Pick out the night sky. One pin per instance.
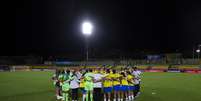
(51, 27)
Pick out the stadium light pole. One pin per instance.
(193, 53)
(87, 29)
(198, 51)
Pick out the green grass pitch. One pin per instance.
(37, 86)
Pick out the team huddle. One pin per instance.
(98, 84)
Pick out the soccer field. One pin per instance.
(37, 86)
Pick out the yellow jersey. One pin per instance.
(82, 82)
(130, 79)
(115, 78)
(124, 81)
(108, 81)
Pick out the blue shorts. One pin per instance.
(131, 87)
(117, 88)
(137, 87)
(124, 88)
(107, 89)
(83, 91)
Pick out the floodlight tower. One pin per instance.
(87, 29)
(198, 51)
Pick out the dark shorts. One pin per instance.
(98, 95)
(74, 94)
(137, 87)
(75, 91)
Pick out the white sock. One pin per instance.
(129, 97)
(105, 99)
(57, 97)
(114, 99)
(108, 99)
(132, 97)
(63, 99)
(83, 98)
(119, 99)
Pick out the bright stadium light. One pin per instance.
(87, 28)
(198, 51)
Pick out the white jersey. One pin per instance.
(74, 83)
(137, 75)
(97, 76)
(79, 75)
